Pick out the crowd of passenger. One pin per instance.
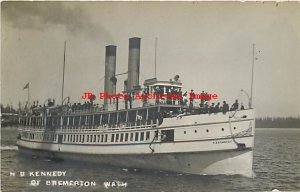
(85, 106)
(187, 100)
(205, 106)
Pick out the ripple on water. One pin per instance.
(276, 165)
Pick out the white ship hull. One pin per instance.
(201, 163)
(216, 146)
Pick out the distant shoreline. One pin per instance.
(277, 122)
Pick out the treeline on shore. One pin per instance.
(277, 122)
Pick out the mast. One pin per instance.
(253, 59)
(28, 95)
(63, 80)
(155, 57)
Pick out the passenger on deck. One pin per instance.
(202, 96)
(73, 107)
(217, 108)
(206, 107)
(225, 107)
(235, 106)
(157, 92)
(206, 96)
(201, 105)
(192, 97)
(180, 100)
(173, 93)
(185, 98)
(126, 100)
(242, 106)
(50, 103)
(212, 108)
(130, 100)
(145, 97)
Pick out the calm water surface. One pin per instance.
(276, 166)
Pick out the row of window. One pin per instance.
(97, 119)
(85, 138)
(124, 137)
(99, 138)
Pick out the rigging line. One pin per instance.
(155, 57)
(63, 78)
(97, 83)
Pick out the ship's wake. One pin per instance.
(9, 148)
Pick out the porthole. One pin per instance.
(222, 129)
(195, 131)
(184, 132)
(207, 130)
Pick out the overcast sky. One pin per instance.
(209, 45)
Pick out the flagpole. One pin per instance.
(63, 80)
(28, 94)
(62, 88)
(155, 57)
(253, 60)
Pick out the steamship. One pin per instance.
(144, 134)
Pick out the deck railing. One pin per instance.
(86, 128)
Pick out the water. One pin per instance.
(276, 166)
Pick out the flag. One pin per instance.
(26, 86)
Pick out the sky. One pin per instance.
(208, 44)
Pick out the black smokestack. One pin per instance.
(133, 63)
(110, 71)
